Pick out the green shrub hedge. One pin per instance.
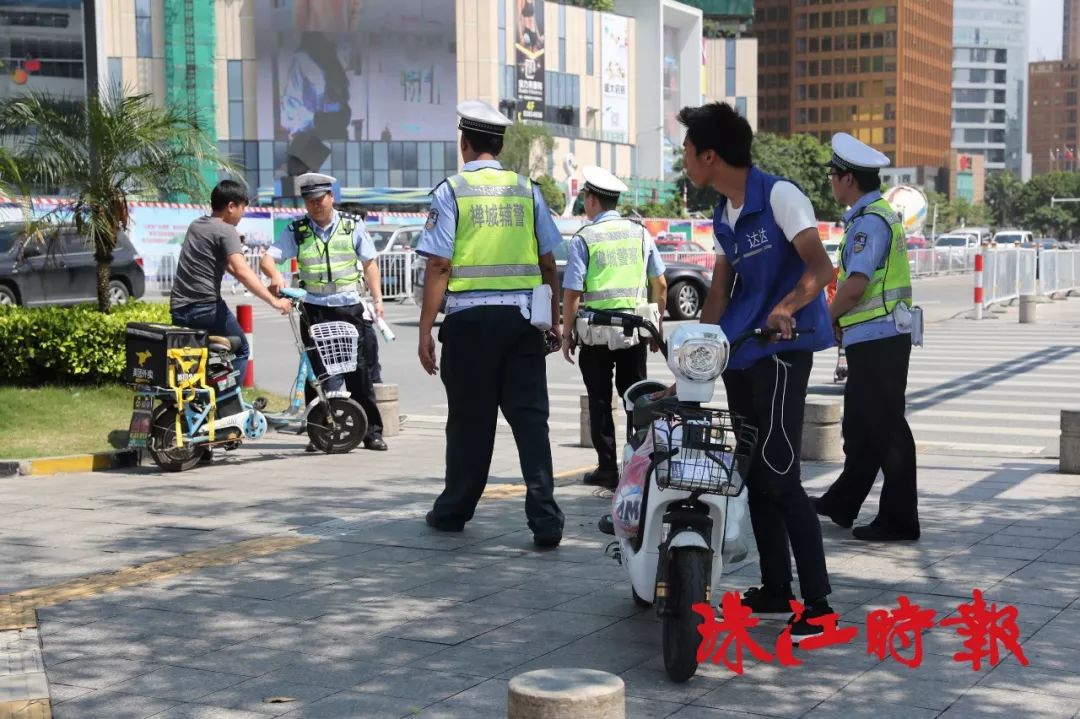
(68, 345)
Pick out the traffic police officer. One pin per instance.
(874, 319)
(611, 264)
(489, 240)
(327, 245)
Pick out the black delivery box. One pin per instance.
(147, 346)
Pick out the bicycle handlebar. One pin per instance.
(615, 318)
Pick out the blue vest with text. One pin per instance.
(767, 268)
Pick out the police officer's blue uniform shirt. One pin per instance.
(284, 248)
(437, 239)
(868, 241)
(577, 256)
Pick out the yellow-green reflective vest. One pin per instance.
(615, 278)
(891, 283)
(327, 267)
(495, 245)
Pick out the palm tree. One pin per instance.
(101, 152)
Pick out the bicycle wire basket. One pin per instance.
(703, 450)
(336, 343)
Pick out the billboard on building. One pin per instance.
(529, 59)
(615, 61)
(336, 70)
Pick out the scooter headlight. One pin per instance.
(699, 353)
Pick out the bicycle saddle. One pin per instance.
(221, 344)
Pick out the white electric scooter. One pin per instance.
(690, 510)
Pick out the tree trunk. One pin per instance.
(103, 270)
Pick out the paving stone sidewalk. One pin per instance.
(383, 617)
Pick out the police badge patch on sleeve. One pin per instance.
(859, 242)
(432, 218)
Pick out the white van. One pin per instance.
(1013, 237)
(957, 240)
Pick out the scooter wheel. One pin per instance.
(638, 600)
(162, 443)
(687, 572)
(344, 433)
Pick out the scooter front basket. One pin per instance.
(336, 343)
(702, 450)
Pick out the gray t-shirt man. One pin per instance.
(201, 265)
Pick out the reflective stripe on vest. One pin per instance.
(495, 245)
(327, 267)
(891, 283)
(615, 277)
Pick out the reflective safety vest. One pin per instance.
(615, 278)
(327, 267)
(891, 283)
(495, 246)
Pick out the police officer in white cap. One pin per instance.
(612, 264)
(489, 242)
(873, 318)
(327, 244)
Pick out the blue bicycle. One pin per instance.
(334, 422)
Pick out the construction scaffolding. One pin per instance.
(190, 48)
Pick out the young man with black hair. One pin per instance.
(211, 247)
(770, 271)
(874, 320)
(489, 242)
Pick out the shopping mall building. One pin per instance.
(366, 90)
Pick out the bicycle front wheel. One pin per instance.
(337, 430)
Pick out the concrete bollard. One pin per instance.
(822, 440)
(1027, 309)
(1069, 456)
(566, 694)
(584, 433)
(386, 399)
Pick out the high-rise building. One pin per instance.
(1070, 32)
(1053, 129)
(990, 75)
(881, 73)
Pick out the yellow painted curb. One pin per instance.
(571, 476)
(78, 463)
(26, 709)
(17, 610)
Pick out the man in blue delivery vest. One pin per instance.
(771, 270)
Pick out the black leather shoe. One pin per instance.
(311, 447)
(606, 526)
(547, 541)
(877, 533)
(606, 478)
(375, 443)
(821, 509)
(442, 526)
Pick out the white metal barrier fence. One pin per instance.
(941, 260)
(1059, 271)
(1008, 273)
(396, 269)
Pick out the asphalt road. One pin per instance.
(276, 357)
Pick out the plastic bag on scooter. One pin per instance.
(626, 503)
